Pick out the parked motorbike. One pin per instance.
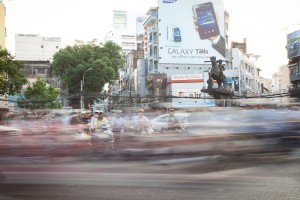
(102, 139)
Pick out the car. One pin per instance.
(160, 122)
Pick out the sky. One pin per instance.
(264, 23)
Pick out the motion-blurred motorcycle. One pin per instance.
(102, 139)
(174, 125)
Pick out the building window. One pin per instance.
(42, 46)
(57, 47)
(41, 71)
(294, 70)
(119, 19)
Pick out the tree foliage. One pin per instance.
(72, 62)
(40, 95)
(11, 76)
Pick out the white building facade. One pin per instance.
(126, 27)
(36, 52)
(243, 76)
(281, 80)
(174, 47)
(36, 47)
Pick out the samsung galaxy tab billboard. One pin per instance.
(191, 31)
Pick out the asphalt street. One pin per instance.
(140, 180)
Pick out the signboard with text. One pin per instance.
(191, 31)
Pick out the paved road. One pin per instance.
(139, 180)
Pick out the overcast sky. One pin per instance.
(264, 23)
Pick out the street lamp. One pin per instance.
(204, 84)
(81, 86)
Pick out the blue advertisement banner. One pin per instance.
(293, 42)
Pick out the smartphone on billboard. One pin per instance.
(177, 34)
(170, 33)
(206, 20)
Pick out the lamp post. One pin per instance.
(81, 87)
(204, 84)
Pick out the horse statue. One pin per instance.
(216, 73)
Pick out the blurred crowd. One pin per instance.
(130, 135)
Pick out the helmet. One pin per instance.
(140, 110)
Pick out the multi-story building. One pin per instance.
(275, 83)
(243, 74)
(266, 85)
(128, 32)
(281, 80)
(242, 46)
(174, 47)
(124, 31)
(285, 81)
(2, 25)
(293, 52)
(132, 77)
(125, 34)
(177, 56)
(36, 47)
(37, 53)
(3, 99)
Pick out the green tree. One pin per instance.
(11, 76)
(40, 95)
(72, 62)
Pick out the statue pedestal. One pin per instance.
(222, 96)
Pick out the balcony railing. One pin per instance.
(153, 57)
(150, 19)
(152, 29)
(153, 42)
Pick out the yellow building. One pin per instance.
(3, 99)
(2, 25)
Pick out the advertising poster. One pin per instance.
(189, 94)
(191, 31)
(233, 83)
(293, 41)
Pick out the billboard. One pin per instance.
(191, 31)
(293, 41)
(233, 83)
(187, 90)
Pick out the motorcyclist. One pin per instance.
(97, 120)
(118, 124)
(173, 122)
(141, 122)
(99, 129)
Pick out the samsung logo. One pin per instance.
(169, 1)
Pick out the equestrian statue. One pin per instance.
(216, 73)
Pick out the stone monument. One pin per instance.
(221, 93)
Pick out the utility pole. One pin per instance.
(81, 88)
(81, 96)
